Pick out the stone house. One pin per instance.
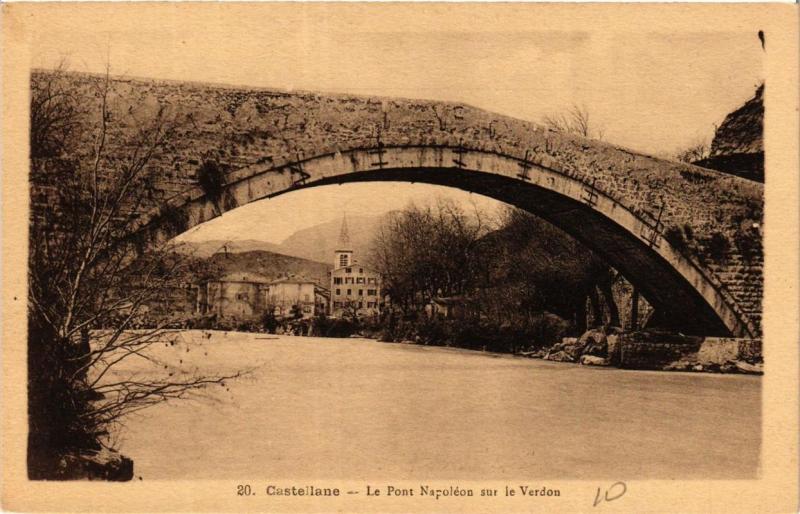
(451, 307)
(241, 296)
(247, 296)
(286, 293)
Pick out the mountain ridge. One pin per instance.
(270, 265)
(316, 243)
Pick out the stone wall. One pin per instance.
(672, 352)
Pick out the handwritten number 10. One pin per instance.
(612, 493)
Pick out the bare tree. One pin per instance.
(54, 115)
(350, 309)
(576, 120)
(91, 289)
(423, 252)
(696, 151)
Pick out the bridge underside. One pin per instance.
(658, 281)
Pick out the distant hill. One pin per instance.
(205, 249)
(316, 243)
(270, 265)
(319, 242)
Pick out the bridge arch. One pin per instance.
(627, 240)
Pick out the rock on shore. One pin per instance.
(656, 350)
(106, 465)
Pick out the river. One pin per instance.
(356, 408)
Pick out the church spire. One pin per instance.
(344, 235)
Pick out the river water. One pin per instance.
(356, 408)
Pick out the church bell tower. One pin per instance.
(343, 255)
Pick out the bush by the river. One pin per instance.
(323, 326)
(477, 334)
(541, 330)
(318, 326)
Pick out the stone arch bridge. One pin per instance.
(689, 238)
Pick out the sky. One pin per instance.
(330, 204)
(652, 90)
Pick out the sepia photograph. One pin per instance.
(324, 253)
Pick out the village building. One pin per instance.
(239, 295)
(355, 288)
(247, 296)
(452, 307)
(287, 294)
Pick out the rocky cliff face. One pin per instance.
(738, 146)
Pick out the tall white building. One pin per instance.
(355, 289)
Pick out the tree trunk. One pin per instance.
(597, 311)
(580, 315)
(613, 311)
(635, 309)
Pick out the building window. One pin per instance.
(372, 292)
(360, 292)
(338, 291)
(343, 260)
(337, 280)
(360, 280)
(360, 305)
(307, 309)
(348, 270)
(349, 280)
(337, 305)
(349, 292)
(361, 270)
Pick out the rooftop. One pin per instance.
(293, 280)
(243, 276)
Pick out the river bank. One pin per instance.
(656, 350)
